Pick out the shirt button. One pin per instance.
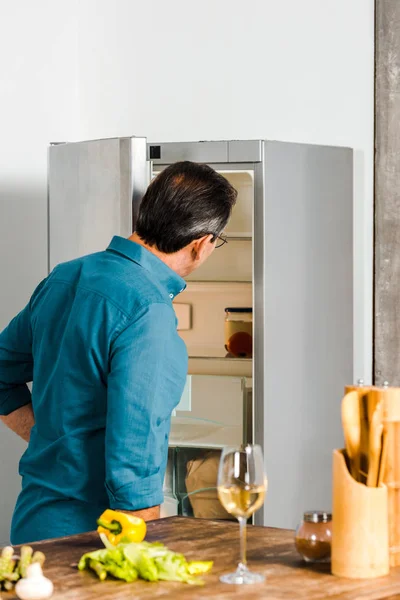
(171, 296)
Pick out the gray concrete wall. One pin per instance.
(387, 194)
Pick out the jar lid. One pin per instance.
(317, 516)
(239, 310)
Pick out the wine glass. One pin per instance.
(242, 486)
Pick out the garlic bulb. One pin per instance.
(35, 586)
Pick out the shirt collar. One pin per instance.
(171, 281)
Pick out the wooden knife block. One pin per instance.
(360, 532)
(391, 478)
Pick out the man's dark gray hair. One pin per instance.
(185, 202)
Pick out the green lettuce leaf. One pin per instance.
(149, 561)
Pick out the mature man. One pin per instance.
(99, 341)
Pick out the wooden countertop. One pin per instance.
(270, 551)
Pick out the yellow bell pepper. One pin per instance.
(197, 567)
(121, 528)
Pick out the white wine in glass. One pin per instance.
(242, 486)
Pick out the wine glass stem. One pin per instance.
(243, 561)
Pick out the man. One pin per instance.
(99, 341)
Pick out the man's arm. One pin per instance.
(20, 421)
(16, 369)
(148, 514)
(143, 389)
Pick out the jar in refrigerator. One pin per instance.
(239, 332)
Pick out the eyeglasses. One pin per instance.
(222, 241)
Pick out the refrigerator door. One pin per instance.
(304, 228)
(95, 188)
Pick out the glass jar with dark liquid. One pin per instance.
(239, 332)
(313, 536)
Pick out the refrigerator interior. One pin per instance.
(216, 409)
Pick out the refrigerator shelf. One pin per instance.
(192, 432)
(210, 351)
(202, 284)
(239, 237)
(213, 365)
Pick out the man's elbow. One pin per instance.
(20, 421)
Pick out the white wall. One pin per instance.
(37, 102)
(287, 70)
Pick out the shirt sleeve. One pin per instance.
(147, 374)
(16, 360)
(16, 363)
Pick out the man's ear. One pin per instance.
(201, 247)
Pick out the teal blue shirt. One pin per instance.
(99, 341)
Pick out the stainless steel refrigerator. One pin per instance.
(289, 258)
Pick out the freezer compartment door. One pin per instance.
(94, 190)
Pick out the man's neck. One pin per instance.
(173, 261)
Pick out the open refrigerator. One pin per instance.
(289, 258)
